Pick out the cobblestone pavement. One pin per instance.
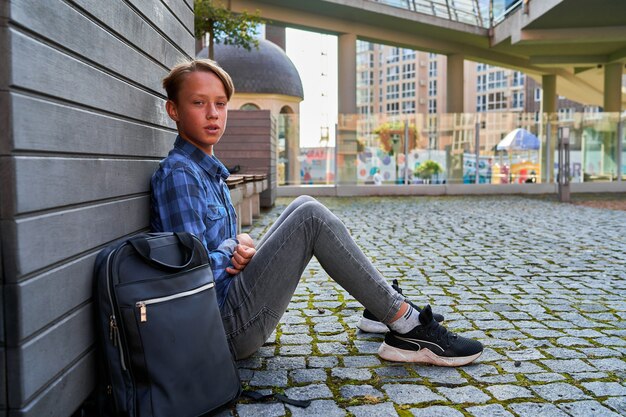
(541, 284)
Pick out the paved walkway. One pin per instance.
(541, 284)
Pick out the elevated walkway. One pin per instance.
(581, 43)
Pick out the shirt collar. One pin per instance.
(208, 163)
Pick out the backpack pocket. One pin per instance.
(176, 345)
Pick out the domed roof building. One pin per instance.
(264, 78)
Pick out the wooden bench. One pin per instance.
(245, 191)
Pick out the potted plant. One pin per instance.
(427, 169)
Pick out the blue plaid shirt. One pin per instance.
(189, 194)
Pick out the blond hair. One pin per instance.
(173, 80)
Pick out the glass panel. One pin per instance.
(513, 148)
(466, 11)
(623, 134)
(599, 146)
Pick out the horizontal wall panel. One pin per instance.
(163, 19)
(247, 131)
(44, 182)
(234, 144)
(5, 116)
(252, 114)
(81, 35)
(120, 18)
(83, 131)
(65, 395)
(33, 364)
(44, 240)
(238, 121)
(37, 301)
(183, 12)
(256, 140)
(73, 80)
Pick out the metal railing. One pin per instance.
(482, 13)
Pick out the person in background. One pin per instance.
(377, 178)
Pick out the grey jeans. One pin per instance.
(260, 294)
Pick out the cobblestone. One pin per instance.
(376, 410)
(436, 411)
(542, 285)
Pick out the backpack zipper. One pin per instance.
(114, 333)
(143, 305)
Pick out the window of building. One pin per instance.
(408, 71)
(393, 92)
(393, 73)
(432, 105)
(362, 46)
(408, 107)
(481, 103)
(394, 55)
(566, 113)
(537, 94)
(496, 79)
(518, 79)
(496, 101)
(408, 89)
(481, 82)
(249, 106)
(393, 108)
(518, 100)
(432, 88)
(408, 54)
(432, 68)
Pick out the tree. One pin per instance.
(389, 131)
(212, 17)
(427, 169)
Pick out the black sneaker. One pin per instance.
(369, 322)
(430, 343)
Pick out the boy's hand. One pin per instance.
(242, 255)
(245, 240)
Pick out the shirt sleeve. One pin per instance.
(181, 205)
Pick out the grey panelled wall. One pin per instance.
(83, 126)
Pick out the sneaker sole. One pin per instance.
(394, 354)
(371, 326)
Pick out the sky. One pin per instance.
(315, 58)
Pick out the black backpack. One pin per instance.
(162, 342)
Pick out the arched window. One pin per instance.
(249, 106)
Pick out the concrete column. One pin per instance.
(454, 84)
(549, 104)
(612, 157)
(276, 35)
(346, 151)
(613, 87)
(347, 73)
(548, 84)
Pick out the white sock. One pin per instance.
(406, 323)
